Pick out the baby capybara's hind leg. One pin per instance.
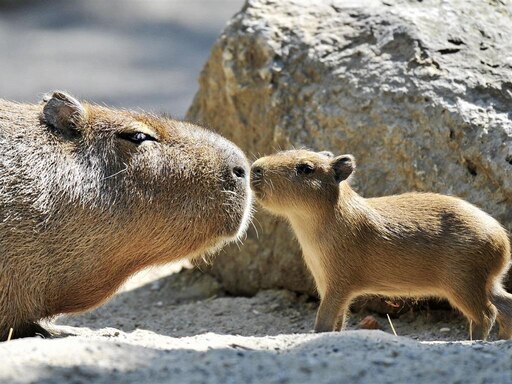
(503, 302)
(505, 323)
(483, 325)
(477, 308)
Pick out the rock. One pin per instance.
(419, 93)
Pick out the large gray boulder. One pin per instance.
(420, 92)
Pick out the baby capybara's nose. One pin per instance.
(256, 173)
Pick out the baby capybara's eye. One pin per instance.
(304, 169)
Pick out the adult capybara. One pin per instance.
(410, 245)
(89, 195)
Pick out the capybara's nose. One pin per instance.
(256, 173)
(239, 172)
(235, 171)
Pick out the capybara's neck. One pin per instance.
(335, 227)
(104, 256)
(347, 210)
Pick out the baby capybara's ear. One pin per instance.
(63, 112)
(343, 166)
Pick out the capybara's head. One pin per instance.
(299, 180)
(166, 187)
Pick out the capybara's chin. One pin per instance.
(90, 195)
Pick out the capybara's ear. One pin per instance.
(343, 166)
(326, 153)
(63, 112)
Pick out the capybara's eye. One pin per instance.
(136, 137)
(304, 169)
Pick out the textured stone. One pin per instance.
(419, 92)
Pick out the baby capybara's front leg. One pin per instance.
(331, 312)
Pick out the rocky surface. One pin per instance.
(419, 92)
(183, 329)
(353, 356)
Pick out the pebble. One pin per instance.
(369, 322)
(156, 285)
(444, 330)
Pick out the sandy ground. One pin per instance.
(182, 328)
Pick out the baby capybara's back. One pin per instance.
(436, 237)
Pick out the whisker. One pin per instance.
(272, 185)
(230, 192)
(115, 174)
(255, 229)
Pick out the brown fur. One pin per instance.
(82, 207)
(410, 245)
